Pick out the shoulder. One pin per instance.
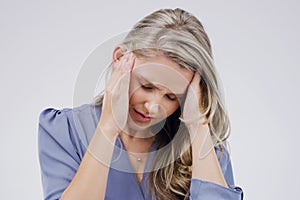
(50, 114)
(61, 133)
(68, 127)
(85, 114)
(53, 118)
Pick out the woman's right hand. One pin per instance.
(116, 97)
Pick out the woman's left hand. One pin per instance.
(196, 121)
(205, 162)
(191, 115)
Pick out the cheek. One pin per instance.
(171, 107)
(134, 93)
(139, 96)
(136, 96)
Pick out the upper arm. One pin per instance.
(59, 159)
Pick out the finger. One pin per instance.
(130, 61)
(195, 84)
(123, 71)
(123, 75)
(194, 88)
(121, 68)
(125, 63)
(120, 94)
(191, 111)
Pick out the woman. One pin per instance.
(157, 132)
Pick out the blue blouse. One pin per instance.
(63, 137)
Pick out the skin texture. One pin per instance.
(154, 95)
(153, 92)
(205, 162)
(168, 82)
(90, 180)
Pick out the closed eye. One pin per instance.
(147, 87)
(171, 97)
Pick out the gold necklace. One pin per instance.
(138, 158)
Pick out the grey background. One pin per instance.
(43, 45)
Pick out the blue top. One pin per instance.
(63, 136)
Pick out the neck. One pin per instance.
(136, 143)
(138, 137)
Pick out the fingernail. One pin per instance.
(131, 55)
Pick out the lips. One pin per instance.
(141, 116)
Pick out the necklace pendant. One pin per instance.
(139, 159)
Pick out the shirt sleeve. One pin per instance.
(59, 159)
(200, 189)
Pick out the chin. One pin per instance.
(154, 126)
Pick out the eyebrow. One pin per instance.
(149, 82)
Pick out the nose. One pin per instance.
(152, 107)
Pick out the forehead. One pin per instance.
(164, 72)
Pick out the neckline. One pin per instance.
(142, 185)
(117, 155)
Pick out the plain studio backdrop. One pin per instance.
(43, 45)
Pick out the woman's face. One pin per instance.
(157, 87)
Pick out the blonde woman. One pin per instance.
(159, 129)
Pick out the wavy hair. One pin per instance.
(180, 36)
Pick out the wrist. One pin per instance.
(202, 145)
(192, 122)
(109, 132)
(198, 133)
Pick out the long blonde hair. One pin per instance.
(181, 37)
